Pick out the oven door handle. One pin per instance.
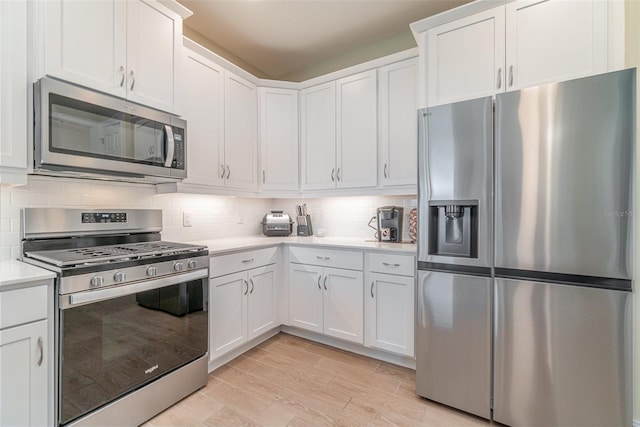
(88, 297)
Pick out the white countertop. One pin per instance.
(14, 273)
(218, 246)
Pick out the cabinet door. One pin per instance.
(203, 104)
(227, 313)
(23, 375)
(343, 304)
(13, 91)
(154, 43)
(305, 297)
(318, 137)
(398, 104)
(389, 311)
(86, 43)
(554, 40)
(357, 148)
(278, 139)
(465, 58)
(241, 132)
(262, 300)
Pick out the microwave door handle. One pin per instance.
(170, 146)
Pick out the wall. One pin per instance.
(632, 52)
(212, 216)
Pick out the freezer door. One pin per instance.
(453, 341)
(564, 168)
(562, 355)
(455, 163)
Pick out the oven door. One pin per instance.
(116, 340)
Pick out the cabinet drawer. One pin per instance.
(232, 263)
(327, 258)
(402, 265)
(22, 306)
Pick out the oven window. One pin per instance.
(112, 347)
(77, 127)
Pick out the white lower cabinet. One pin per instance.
(23, 375)
(390, 303)
(242, 305)
(327, 300)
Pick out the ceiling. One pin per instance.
(283, 37)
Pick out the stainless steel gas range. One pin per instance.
(131, 332)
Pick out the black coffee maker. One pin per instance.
(390, 223)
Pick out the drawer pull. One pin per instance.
(386, 264)
(41, 350)
(372, 290)
(247, 261)
(326, 258)
(325, 282)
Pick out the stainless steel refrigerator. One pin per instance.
(525, 315)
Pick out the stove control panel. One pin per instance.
(103, 217)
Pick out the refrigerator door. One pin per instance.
(564, 156)
(453, 341)
(562, 355)
(455, 162)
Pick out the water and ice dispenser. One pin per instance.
(453, 228)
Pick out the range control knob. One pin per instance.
(152, 271)
(178, 266)
(119, 277)
(192, 263)
(96, 281)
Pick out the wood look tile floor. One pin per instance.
(290, 381)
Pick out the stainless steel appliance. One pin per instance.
(453, 339)
(389, 220)
(131, 323)
(82, 132)
(277, 223)
(560, 299)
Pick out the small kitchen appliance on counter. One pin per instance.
(277, 223)
(389, 223)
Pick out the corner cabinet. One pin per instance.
(128, 49)
(242, 299)
(25, 356)
(278, 139)
(13, 92)
(524, 43)
(326, 292)
(339, 133)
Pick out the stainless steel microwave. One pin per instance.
(82, 132)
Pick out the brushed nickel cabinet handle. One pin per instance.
(122, 74)
(252, 285)
(263, 177)
(372, 290)
(247, 287)
(319, 277)
(386, 175)
(338, 175)
(222, 174)
(325, 282)
(390, 265)
(247, 261)
(511, 76)
(499, 84)
(133, 79)
(41, 350)
(332, 173)
(228, 171)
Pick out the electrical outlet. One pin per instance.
(186, 219)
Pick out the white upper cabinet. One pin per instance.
(13, 92)
(465, 58)
(398, 123)
(241, 132)
(278, 139)
(128, 49)
(521, 44)
(356, 124)
(203, 110)
(318, 137)
(554, 40)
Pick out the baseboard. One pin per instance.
(395, 359)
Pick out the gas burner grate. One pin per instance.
(112, 253)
